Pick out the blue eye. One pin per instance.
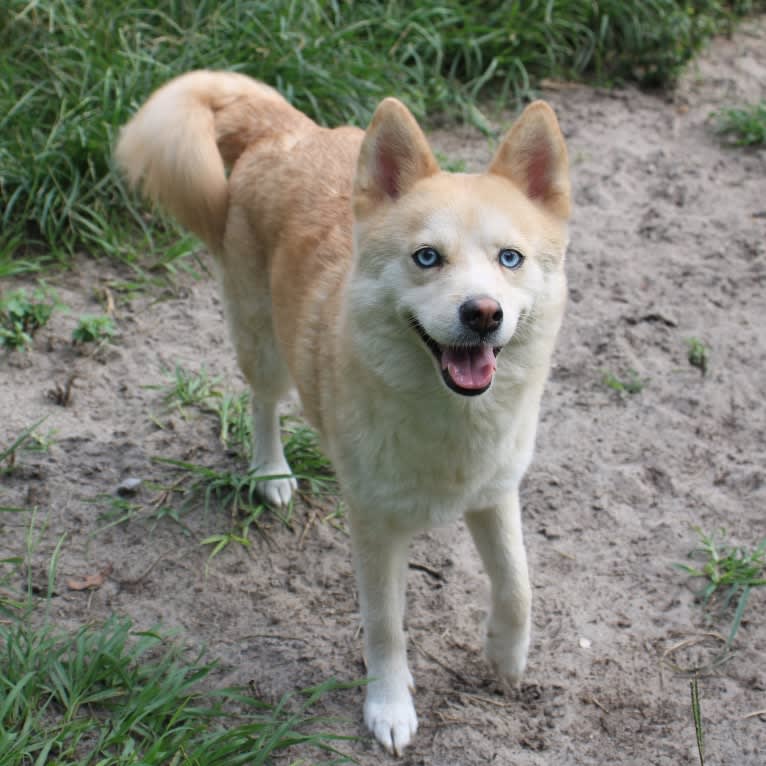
(510, 259)
(427, 257)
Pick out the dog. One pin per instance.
(415, 311)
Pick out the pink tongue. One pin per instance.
(470, 367)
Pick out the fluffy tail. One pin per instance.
(178, 146)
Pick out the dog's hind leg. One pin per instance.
(498, 537)
(247, 299)
(268, 455)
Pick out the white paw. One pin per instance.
(275, 492)
(507, 652)
(390, 715)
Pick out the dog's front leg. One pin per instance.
(380, 560)
(498, 537)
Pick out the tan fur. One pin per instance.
(316, 234)
(213, 118)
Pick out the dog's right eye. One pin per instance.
(427, 257)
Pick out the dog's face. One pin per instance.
(454, 268)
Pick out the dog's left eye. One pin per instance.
(511, 259)
(427, 257)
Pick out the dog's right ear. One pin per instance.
(394, 155)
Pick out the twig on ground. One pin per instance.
(590, 699)
(459, 676)
(432, 572)
(486, 700)
(136, 580)
(718, 659)
(306, 527)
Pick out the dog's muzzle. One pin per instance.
(467, 369)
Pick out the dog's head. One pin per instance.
(454, 268)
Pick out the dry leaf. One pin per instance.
(90, 582)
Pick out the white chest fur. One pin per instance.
(424, 462)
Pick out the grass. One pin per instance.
(199, 391)
(70, 76)
(231, 490)
(305, 456)
(109, 694)
(235, 422)
(631, 384)
(113, 695)
(729, 572)
(234, 491)
(39, 442)
(11, 604)
(8, 454)
(448, 164)
(21, 316)
(698, 354)
(744, 126)
(697, 718)
(190, 389)
(94, 329)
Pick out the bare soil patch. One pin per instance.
(668, 243)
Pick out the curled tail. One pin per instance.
(177, 147)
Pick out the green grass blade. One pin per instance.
(697, 716)
(741, 604)
(24, 436)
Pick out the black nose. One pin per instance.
(482, 315)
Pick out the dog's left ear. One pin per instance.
(394, 155)
(534, 156)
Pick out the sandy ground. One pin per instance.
(668, 243)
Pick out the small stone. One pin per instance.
(550, 533)
(129, 486)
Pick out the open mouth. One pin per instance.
(467, 370)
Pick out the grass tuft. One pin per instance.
(235, 421)
(111, 694)
(21, 316)
(8, 454)
(235, 492)
(305, 456)
(190, 389)
(698, 354)
(11, 602)
(730, 572)
(632, 384)
(200, 391)
(745, 126)
(94, 329)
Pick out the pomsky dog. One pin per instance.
(414, 310)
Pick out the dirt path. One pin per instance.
(668, 243)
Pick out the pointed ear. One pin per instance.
(534, 157)
(394, 155)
